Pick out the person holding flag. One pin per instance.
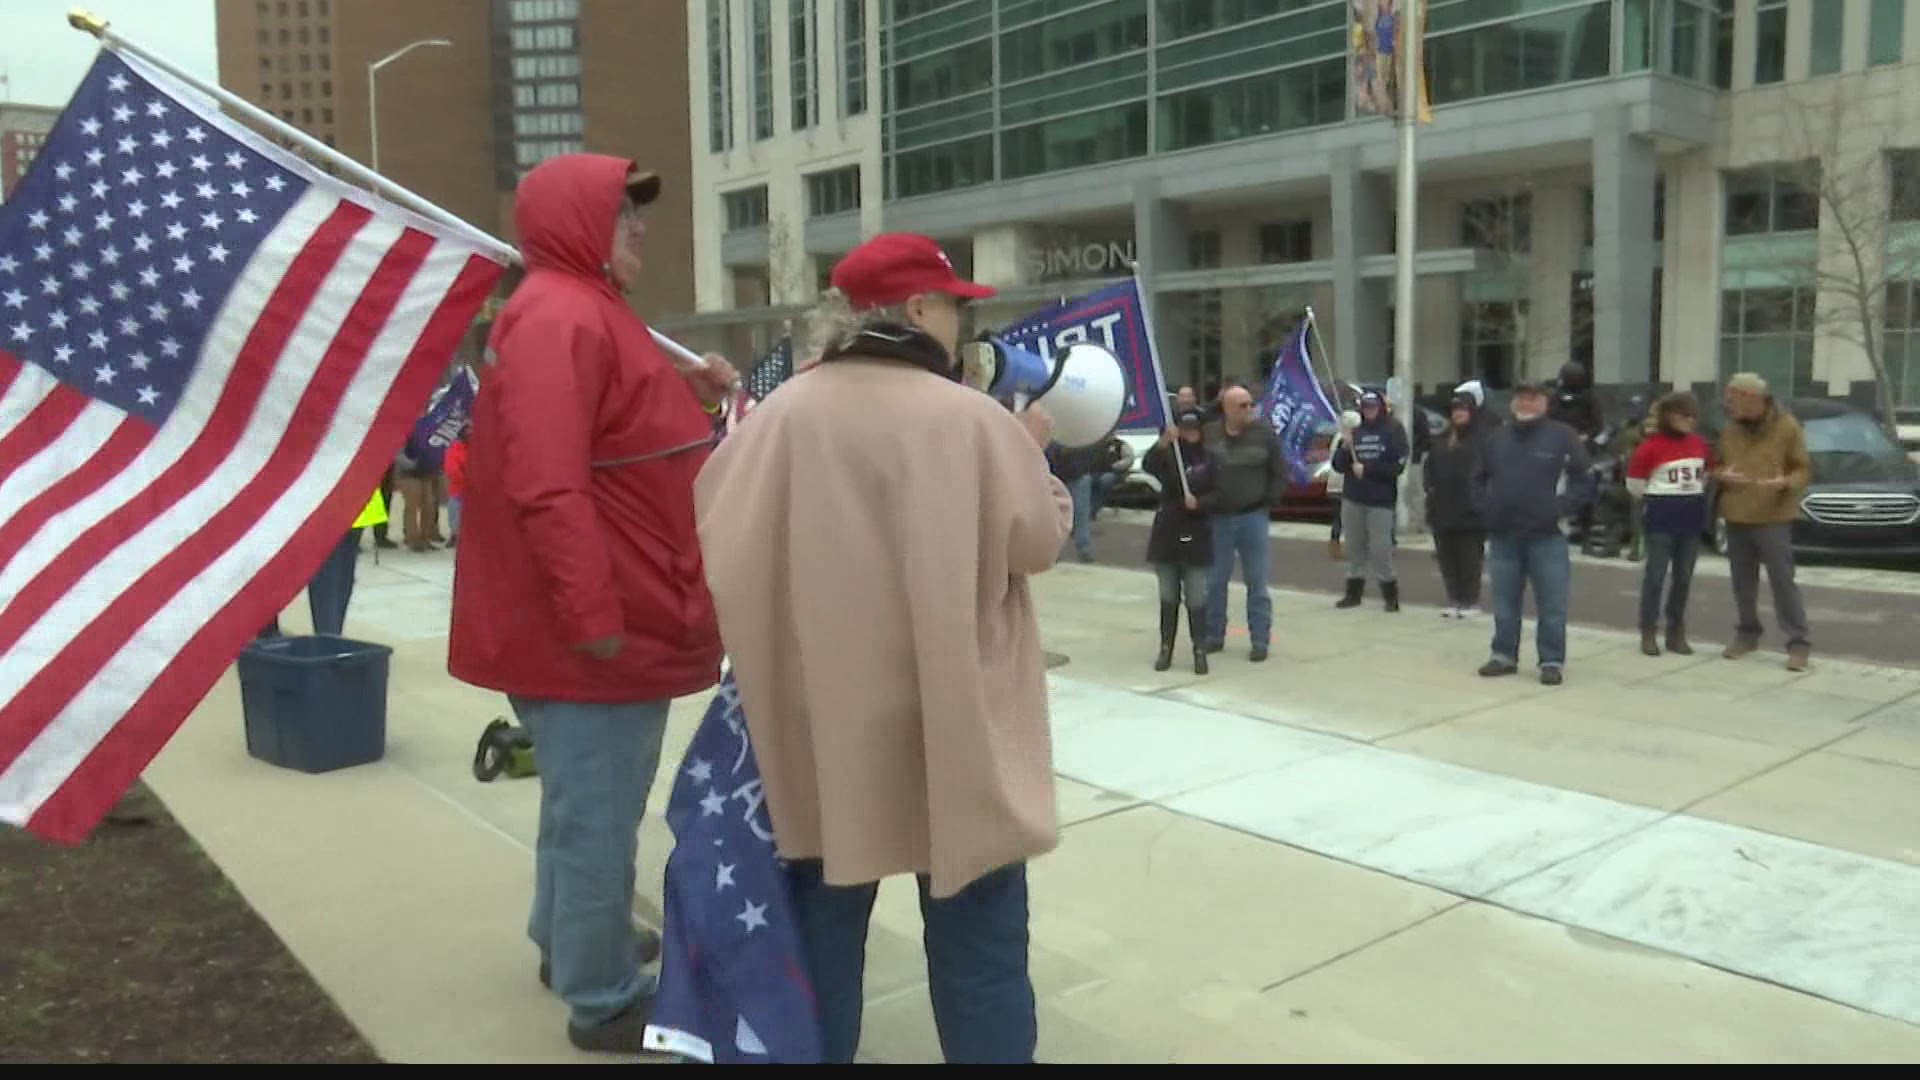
(869, 534)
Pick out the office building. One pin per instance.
(1664, 189)
(515, 82)
(23, 128)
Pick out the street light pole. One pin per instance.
(373, 95)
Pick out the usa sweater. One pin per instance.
(1670, 472)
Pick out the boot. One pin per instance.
(1677, 640)
(1649, 642)
(1391, 590)
(1355, 588)
(1169, 623)
(1196, 618)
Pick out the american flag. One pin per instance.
(768, 373)
(209, 352)
(733, 981)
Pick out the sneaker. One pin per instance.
(624, 1034)
(1450, 613)
(1258, 655)
(1797, 658)
(1739, 649)
(1469, 612)
(1550, 676)
(1497, 667)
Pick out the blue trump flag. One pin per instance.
(733, 980)
(1294, 403)
(1115, 318)
(446, 414)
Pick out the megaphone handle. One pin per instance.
(1020, 401)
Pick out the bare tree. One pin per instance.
(1836, 142)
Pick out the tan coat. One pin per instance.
(1776, 447)
(868, 533)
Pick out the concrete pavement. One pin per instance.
(1357, 851)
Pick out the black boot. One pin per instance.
(1169, 624)
(1391, 590)
(1355, 588)
(1197, 618)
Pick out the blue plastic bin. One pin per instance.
(315, 703)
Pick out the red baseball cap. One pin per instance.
(894, 266)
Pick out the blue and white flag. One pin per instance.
(1116, 319)
(1294, 402)
(733, 981)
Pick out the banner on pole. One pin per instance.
(1376, 27)
(1114, 318)
(1294, 402)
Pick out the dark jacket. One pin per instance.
(1517, 485)
(1250, 469)
(1381, 446)
(1578, 409)
(1072, 464)
(1448, 478)
(1180, 535)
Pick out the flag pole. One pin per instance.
(1408, 27)
(1159, 376)
(379, 185)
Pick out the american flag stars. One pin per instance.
(143, 217)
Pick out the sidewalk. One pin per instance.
(1358, 851)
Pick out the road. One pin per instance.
(1860, 624)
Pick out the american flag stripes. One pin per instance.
(209, 353)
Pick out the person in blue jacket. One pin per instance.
(1371, 459)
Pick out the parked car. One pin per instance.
(1864, 499)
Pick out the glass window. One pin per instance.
(1684, 40)
(834, 192)
(745, 209)
(1286, 242)
(1090, 138)
(1296, 97)
(1886, 25)
(1526, 54)
(953, 73)
(1760, 201)
(760, 32)
(719, 76)
(853, 57)
(803, 63)
(1829, 29)
(1769, 42)
(1769, 331)
(947, 166)
(1903, 185)
(1723, 45)
(1636, 35)
(1087, 35)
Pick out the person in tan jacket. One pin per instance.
(868, 534)
(1764, 470)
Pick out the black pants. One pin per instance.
(1461, 553)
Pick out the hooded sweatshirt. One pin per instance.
(578, 524)
(1381, 446)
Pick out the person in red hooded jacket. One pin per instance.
(579, 590)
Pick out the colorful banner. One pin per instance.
(446, 415)
(1294, 402)
(1114, 318)
(1376, 26)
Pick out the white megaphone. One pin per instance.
(1084, 387)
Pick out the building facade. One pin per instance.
(1666, 190)
(23, 128)
(515, 82)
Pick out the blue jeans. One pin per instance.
(1082, 492)
(1244, 535)
(330, 589)
(1664, 549)
(977, 951)
(597, 765)
(1514, 562)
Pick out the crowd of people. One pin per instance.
(1503, 497)
(860, 550)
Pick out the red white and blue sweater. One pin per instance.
(1670, 472)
